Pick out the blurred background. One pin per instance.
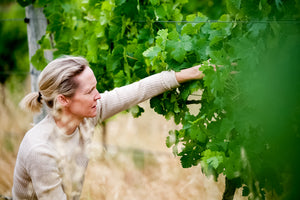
(14, 83)
(136, 164)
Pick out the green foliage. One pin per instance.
(25, 3)
(248, 125)
(13, 43)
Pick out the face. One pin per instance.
(84, 102)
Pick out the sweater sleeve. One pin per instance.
(127, 96)
(44, 173)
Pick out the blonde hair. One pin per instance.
(57, 78)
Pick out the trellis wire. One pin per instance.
(287, 21)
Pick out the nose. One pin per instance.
(97, 96)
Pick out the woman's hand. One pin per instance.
(189, 74)
(194, 73)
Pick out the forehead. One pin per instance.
(86, 79)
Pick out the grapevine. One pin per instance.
(236, 132)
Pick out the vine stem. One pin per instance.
(230, 187)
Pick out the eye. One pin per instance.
(91, 91)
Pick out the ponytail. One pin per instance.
(32, 102)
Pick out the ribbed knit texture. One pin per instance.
(51, 165)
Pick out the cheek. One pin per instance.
(83, 105)
(80, 105)
(87, 104)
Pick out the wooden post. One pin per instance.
(36, 28)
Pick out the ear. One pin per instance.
(62, 100)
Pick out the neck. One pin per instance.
(67, 123)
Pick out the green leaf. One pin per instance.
(196, 133)
(92, 48)
(161, 38)
(186, 42)
(99, 31)
(24, 3)
(177, 16)
(119, 2)
(161, 13)
(171, 139)
(178, 54)
(107, 5)
(189, 29)
(212, 158)
(190, 155)
(157, 105)
(173, 35)
(119, 79)
(140, 70)
(155, 2)
(136, 111)
(152, 52)
(235, 3)
(38, 60)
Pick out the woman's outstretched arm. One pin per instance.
(124, 97)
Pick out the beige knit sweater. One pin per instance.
(51, 165)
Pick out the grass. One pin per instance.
(14, 123)
(136, 164)
(142, 167)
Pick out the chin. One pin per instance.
(92, 115)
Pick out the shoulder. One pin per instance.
(39, 133)
(38, 140)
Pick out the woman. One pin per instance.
(53, 155)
